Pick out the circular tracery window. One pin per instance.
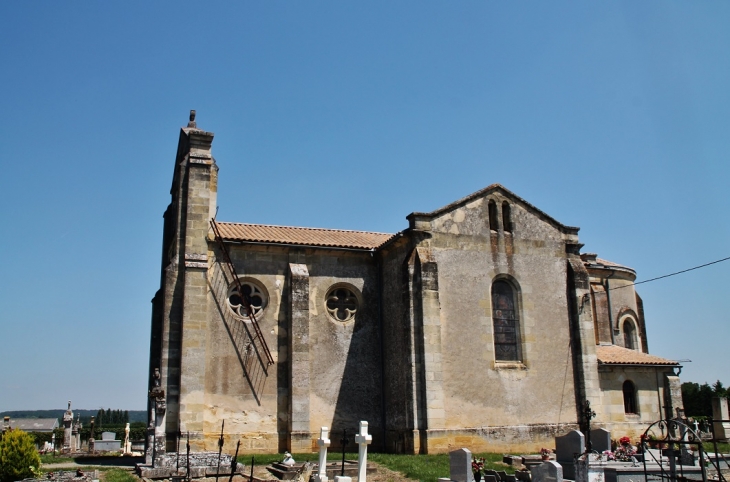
(255, 295)
(342, 304)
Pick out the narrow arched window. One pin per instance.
(506, 217)
(629, 397)
(629, 335)
(505, 320)
(493, 221)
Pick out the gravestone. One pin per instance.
(491, 472)
(549, 471)
(588, 468)
(567, 448)
(601, 440)
(362, 439)
(720, 412)
(68, 418)
(460, 465)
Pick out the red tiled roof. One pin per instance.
(618, 355)
(336, 238)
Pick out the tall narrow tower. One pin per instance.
(180, 304)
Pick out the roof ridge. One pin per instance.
(306, 228)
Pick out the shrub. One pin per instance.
(18, 456)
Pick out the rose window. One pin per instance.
(255, 296)
(342, 304)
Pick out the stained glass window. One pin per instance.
(506, 322)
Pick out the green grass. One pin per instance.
(51, 459)
(427, 468)
(119, 475)
(721, 447)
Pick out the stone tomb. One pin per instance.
(108, 443)
(202, 464)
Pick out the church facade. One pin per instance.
(479, 325)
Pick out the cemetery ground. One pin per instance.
(388, 467)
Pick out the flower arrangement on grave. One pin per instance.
(477, 466)
(623, 450)
(545, 453)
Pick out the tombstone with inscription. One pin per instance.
(601, 439)
(549, 471)
(460, 465)
(567, 448)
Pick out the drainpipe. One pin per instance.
(606, 286)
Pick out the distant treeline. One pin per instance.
(109, 416)
(697, 398)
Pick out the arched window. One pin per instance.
(629, 397)
(493, 221)
(505, 320)
(629, 335)
(506, 217)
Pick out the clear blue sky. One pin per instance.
(611, 116)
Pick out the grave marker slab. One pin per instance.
(567, 448)
(460, 465)
(601, 440)
(549, 471)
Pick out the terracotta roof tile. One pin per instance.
(336, 238)
(618, 355)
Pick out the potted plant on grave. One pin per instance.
(477, 467)
(545, 453)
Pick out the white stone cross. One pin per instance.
(323, 443)
(363, 439)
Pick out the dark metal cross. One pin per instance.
(588, 414)
(344, 444)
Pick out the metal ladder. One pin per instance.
(258, 338)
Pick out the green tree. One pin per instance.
(697, 398)
(719, 390)
(18, 456)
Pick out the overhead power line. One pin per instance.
(673, 274)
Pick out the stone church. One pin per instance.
(480, 325)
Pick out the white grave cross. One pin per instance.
(323, 443)
(363, 439)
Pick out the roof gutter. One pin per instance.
(310, 246)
